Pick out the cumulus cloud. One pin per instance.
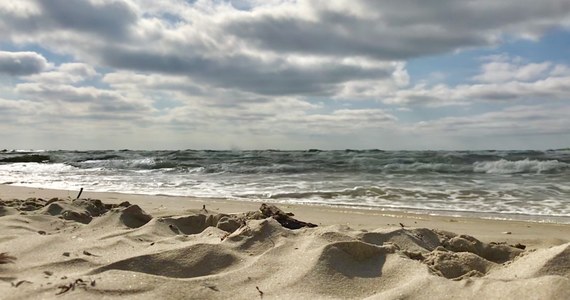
(156, 45)
(87, 102)
(107, 19)
(275, 66)
(246, 112)
(393, 30)
(66, 93)
(501, 80)
(21, 63)
(268, 77)
(65, 73)
(273, 47)
(501, 68)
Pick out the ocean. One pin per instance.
(525, 185)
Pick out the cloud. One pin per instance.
(275, 68)
(392, 30)
(502, 79)
(17, 108)
(65, 93)
(267, 76)
(560, 70)
(276, 115)
(340, 121)
(227, 110)
(502, 68)
(21, 8)
(125, 80)
(86, 101)
(65, 73)
(178, 90)
(108, 19)
(21, 63)
(516, 120)
(278, 48)
(242, 115)
(552, 88)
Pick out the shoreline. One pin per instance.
(529, 232)
(522, 217)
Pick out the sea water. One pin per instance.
(528, 185)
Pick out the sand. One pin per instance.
(109, 245)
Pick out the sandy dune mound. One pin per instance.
(543, 262)
(194, 224)
(131, 216)
(5, 211)
(558, 264)
(80, 210)
(87, 249)
(194, 260)
(445, 253)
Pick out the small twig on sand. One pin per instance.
(260, 292)
(17, 284)
(79, 195)
(212, 287)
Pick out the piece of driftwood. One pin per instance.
(284, 219)
(79, 195)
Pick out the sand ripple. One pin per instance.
(120, 251)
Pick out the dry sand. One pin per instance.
(170, 248)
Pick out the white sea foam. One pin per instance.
(458, 182)
(26, 151)
(35, 168)
(120, 163)
(520, 166)
(425, 167)
(37, 174)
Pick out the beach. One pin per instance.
(144, 246)
(289, 149)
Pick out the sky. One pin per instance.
(285, 74)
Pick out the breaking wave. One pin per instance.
(500, 182)
(521, 166)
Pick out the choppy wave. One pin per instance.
(427, 167)
(126, 164)
(520, 166)
(530, 183)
